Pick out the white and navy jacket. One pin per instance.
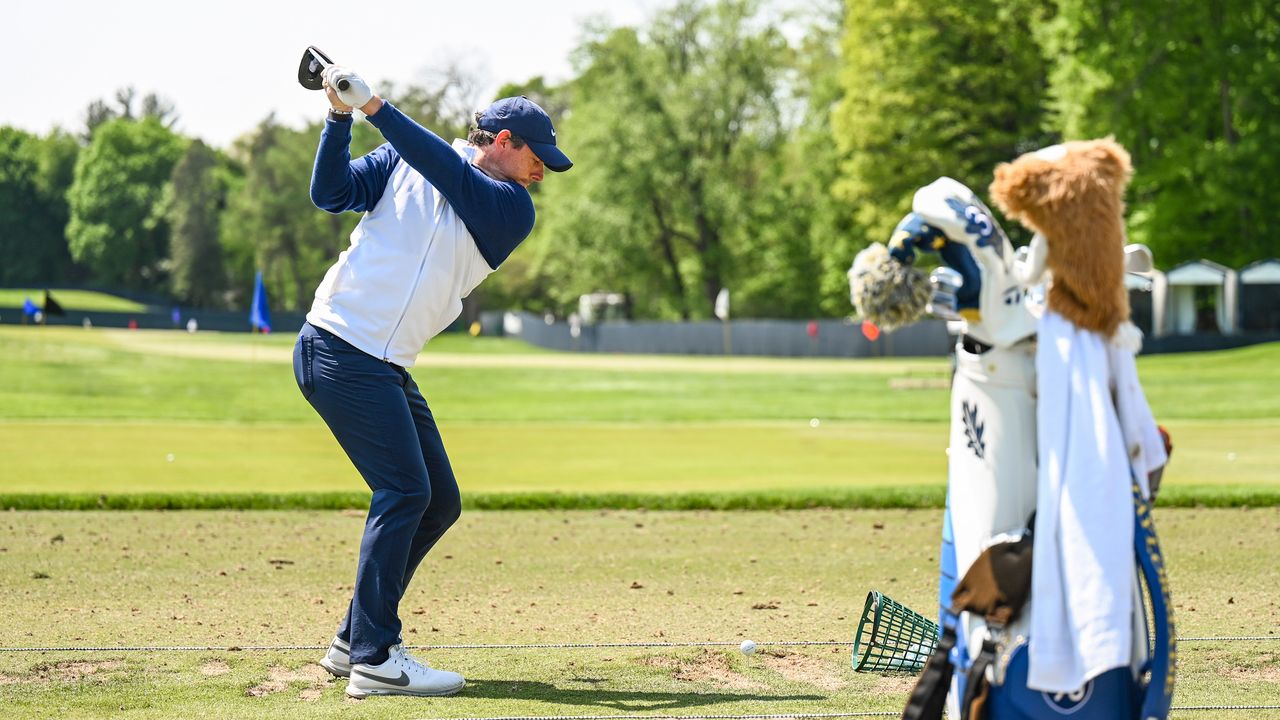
(434, 227)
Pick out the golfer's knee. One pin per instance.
(413, 502)
(447, 508)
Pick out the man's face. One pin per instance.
(517, 164)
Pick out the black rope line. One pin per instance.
(507, 646)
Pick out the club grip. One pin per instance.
(343, 85)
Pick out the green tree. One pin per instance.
(116, 228)
(270, 222)
(196, 196)
(806, 250)
(932, 88)
(675, 132)
(1190, 88)
(33, 208)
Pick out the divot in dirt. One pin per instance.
(279, 678)
(73, 670)
(798, 667)
(707, 667)
(215, 667)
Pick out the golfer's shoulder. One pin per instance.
(513, 198)
(499, 218)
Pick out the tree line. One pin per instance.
(724, 143)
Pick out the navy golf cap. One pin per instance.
(523, 117)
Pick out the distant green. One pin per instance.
(168, 415)
(70, 300)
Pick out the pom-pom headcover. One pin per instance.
(1073, 194)
(889, 293)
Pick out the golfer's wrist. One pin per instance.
(339, 115)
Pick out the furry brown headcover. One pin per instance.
(1076, 200)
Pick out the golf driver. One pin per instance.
(313, 64)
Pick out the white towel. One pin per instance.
(1083, 563)
(1143, 441)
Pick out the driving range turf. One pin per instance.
(228, 578)
(107, 418)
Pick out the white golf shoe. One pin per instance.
(402, 674)
(338, 660)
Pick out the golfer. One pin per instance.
(437, 220)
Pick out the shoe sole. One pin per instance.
(334, 669)
(361, 694)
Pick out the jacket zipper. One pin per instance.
(417, 280)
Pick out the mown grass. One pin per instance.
(843, 462)
(169, 415)
(225, 579)
(70, 300)
(59, 373)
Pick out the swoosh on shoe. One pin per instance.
(402, 681)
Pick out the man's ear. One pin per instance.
(503, 138)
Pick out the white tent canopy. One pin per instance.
(1183, 283)
(1263, 272)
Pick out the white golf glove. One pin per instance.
(358, 91)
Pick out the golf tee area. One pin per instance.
(180, 529)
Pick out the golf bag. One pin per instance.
(981, 662)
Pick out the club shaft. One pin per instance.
(342, 84)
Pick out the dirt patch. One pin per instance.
(1262, 674)
(279, 678)
(798, 667)
(214, 667)
(708, 667)
(73, 670)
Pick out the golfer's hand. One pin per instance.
(358, 92)
(334, 100)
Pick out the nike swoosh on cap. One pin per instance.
(401, 681)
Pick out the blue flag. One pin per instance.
(259, 314)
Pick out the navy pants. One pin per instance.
(383, 423)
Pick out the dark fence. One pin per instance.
(779, 338)
(782, 338)
(1204, 342)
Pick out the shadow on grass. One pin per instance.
(628, 700)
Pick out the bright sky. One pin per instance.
(227, 64)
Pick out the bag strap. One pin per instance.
(929, 697)
(977, 688)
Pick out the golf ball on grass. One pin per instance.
(748, 647)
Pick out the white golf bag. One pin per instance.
(994, 301)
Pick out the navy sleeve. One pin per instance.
(339, 184)
(498, 214)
